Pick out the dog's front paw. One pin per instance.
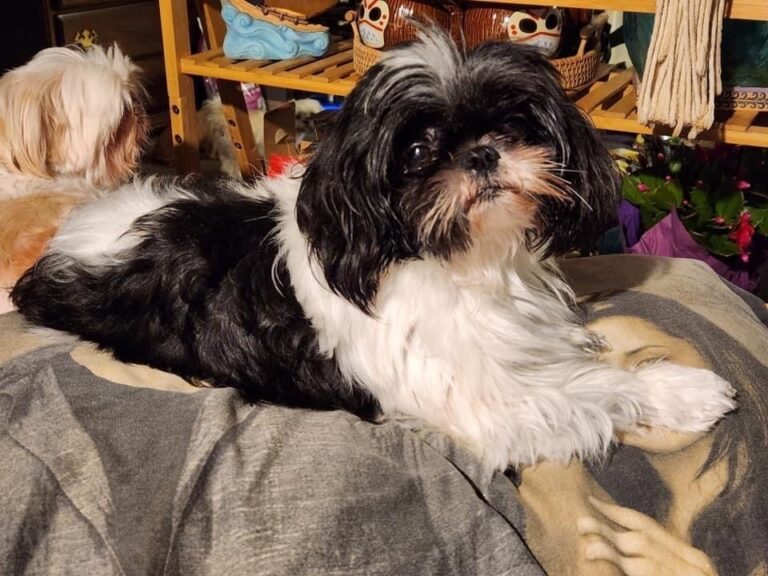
(684, 399)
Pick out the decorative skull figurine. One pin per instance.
(382, 24)
(539, 27)
(372, 20)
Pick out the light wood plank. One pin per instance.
(218, 62)
(605, 90)
(319, 65)
(281, 65)
(741, 9)
(741, 120)
(623, 108)
(204, 56)
(257, 76)
(248, 64)
(174, 21)
(334, 73)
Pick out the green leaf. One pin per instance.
(759, 219)
(669, 194)
(650, 216)
(630, 191)
(701, 204)
(722, 245)
(730, 206)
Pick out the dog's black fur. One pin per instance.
(196, 298)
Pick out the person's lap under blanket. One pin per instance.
(111, 468)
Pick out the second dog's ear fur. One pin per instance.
(73, 113)
(25, 125)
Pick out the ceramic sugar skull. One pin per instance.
(536, 26)
(385, 23)
(372, 21)
(539, 27)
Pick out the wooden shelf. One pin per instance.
(611, 103)
(740, 9)
(331, 74)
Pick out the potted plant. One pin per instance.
(697, 200)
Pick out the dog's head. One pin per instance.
(69, 112)
(455, 156)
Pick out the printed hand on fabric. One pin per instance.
(640, 546)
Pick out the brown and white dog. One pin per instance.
(72, 126)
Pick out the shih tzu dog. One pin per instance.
(407, 268)
(71, 126)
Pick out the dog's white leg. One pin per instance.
(683, 398)
(572, 410)
(665, 395)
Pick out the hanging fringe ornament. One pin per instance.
(682, 69)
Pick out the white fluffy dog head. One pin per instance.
(72, 113)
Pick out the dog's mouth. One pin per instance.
(484, 193)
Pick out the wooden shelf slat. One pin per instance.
(281, 65)
(319, 65)
(335, 73)
(249, 64)
(740, 9)
(624, 107)
(741, 120)
(601, 92)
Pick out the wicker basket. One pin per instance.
(581, 69)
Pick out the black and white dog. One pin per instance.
(407, 268)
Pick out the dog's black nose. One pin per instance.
(481, 159)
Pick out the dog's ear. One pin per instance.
(25, 124)
(122, 149)
(517, 77)
(345, 208)
(595, 182)
(125, 135)
(102, 100)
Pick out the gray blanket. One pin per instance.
(99, 478)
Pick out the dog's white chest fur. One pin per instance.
(491, 355)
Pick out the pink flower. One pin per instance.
(743, 234)
(719, 220)
(743, 185)
(643, 187)
(668, 178)
(745, 258)
(660, 156)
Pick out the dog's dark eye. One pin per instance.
(375, 14)
(419, 156)
(528, 25)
